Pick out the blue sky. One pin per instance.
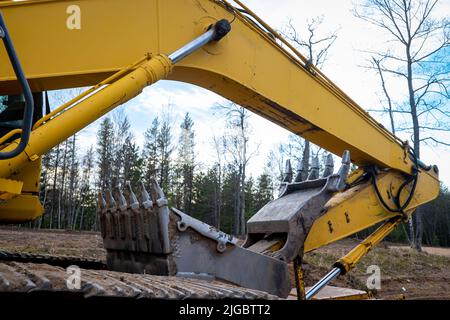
(343, 67)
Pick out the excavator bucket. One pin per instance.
(143, 235)
(146, 236)
(289, 218)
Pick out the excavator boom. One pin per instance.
(248, 67)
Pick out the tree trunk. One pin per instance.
(218, 197)
(237, 202)
(55, 176)
(242, 209)
(416, 135)
(61, 193)
(411, 233)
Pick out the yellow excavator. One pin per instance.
(119, 47)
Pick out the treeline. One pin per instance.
(220, 193)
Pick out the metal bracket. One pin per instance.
(204, 229)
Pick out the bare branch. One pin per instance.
(436, 141)
(386, 110)
(426, 128)
(377, 64)
(314, 48)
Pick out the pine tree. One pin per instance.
(185, 165)
(150, 151)
(45, 187)
(230, 188)
(250, 198)
(164, 151)
(264, 190)
(122, 134)
(132, 162)
(105, 147)
(87, 197)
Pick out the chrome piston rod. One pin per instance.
(322, 283)
(214, 33)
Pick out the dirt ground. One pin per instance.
(53, 242)
(404, 272)
(431, 250)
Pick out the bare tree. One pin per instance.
(415, 53)
(377, 65)
(236, 145)
(218, 148)
(314, 47)
(293, 150)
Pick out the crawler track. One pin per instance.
(59, 261)
(27, 274)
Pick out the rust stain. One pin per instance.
(291, 116)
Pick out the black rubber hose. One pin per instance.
(29, 103)
(414, 177)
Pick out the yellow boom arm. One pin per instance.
(248, 67)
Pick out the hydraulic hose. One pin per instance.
(29, 103)
(400, 208)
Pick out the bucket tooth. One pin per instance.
(128, 227)
(314, 173)
(343, 171)
(329, 166)
(106, 219)
(122, 201)
(134, 203)
(163, 215)
(122, 214)
(136, 228)
(115, 217)
(287, 172)
(300, 172)
(101, 202)
(147, 222)
(111, 203)
(161, 199)
(147, 202)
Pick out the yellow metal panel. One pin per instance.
(246, 66)
(30, 175)
(22, 208)
(10, 188)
